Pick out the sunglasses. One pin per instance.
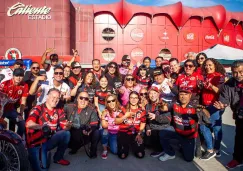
(112, 66)
(54, 60)
(58, 73)
(190, 66)
(109, 101)
(143, 69)
(130, 79)
(143, 94)
(83, 98)
(202, 58)
(35, 68)
(76, 68)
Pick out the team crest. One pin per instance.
(20, 92)
(189, 111)
(13, 53)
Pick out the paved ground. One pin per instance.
(80, 162)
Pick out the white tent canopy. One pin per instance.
(224, 52)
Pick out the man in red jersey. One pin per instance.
(17, 91)
(184, 127)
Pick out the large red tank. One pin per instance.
(107, 32)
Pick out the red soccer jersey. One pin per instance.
(14, 92)
(208, 95)
(41, 114)
(190, 82)
(132, 125)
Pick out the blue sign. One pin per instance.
(27, 63)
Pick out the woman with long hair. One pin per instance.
(143, 93)
(200, 58)
(113, 75)
(214, 74)
(142, 78)
(132, 124)
(88, 83)
(129, 86)
(110, 129)
(101, 93)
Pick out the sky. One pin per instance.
(230, 5)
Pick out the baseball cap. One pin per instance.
(126, 58)
(18, 72)
(158, 71)
(185, 89)
(19, 62)
(154, 89)
(75, 64)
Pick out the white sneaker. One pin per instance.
(166, 157)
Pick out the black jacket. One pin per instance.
(230, 94)
(88, 116)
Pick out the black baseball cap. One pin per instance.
(158, 71)
(19, 62)
(18, 72)
(126, 58)
(75, 64)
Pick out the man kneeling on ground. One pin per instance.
(184, 127)
(47, 128)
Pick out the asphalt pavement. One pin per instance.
(80, 162)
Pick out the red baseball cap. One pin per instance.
(154, 89)
(185, 89)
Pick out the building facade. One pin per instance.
(107, 32)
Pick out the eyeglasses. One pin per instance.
(143, 94)
(112, 66)
(58, 73)
(109, 101)
(130, 79)
(35, 68)
(201, 58)
(190, 66)
(83, 98)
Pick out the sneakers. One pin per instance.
(233, 164)
(62, 162)
(104, 155)
(157, 154)
(218, 154)
(207, 156)
(166, 157)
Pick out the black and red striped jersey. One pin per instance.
(102, 94)
(42, 115)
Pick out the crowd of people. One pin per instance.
(123, 106)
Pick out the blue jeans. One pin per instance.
(111, 139)
(187, 145)
(215, 126)
(12, 115)
(59, 140)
